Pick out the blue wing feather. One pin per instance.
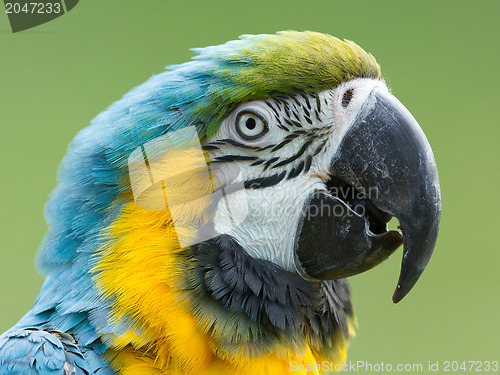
(35, 351)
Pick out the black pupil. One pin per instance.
(250, 123)
(346, 99)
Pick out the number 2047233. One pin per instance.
(33, 8)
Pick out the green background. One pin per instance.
(440, 58)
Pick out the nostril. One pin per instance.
(346, 98)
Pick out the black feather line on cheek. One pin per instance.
(264, 182)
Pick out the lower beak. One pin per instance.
(386, 155)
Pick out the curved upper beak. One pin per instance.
(386, 153)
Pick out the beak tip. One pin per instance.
(419, 246)
(401, 291)
(398, 296)
(406, 282)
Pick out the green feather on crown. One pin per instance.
(286, 63)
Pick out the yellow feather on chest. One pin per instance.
(138, 270)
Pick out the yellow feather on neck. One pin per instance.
(139, 271)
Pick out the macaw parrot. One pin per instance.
(206, 222)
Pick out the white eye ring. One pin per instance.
(251, 125)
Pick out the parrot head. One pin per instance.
(304, 155)
(325, 172)
(326, 153)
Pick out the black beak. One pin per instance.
(384, 167)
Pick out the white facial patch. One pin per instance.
(302, 137)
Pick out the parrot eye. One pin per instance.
(347, 97)
(251, 125)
